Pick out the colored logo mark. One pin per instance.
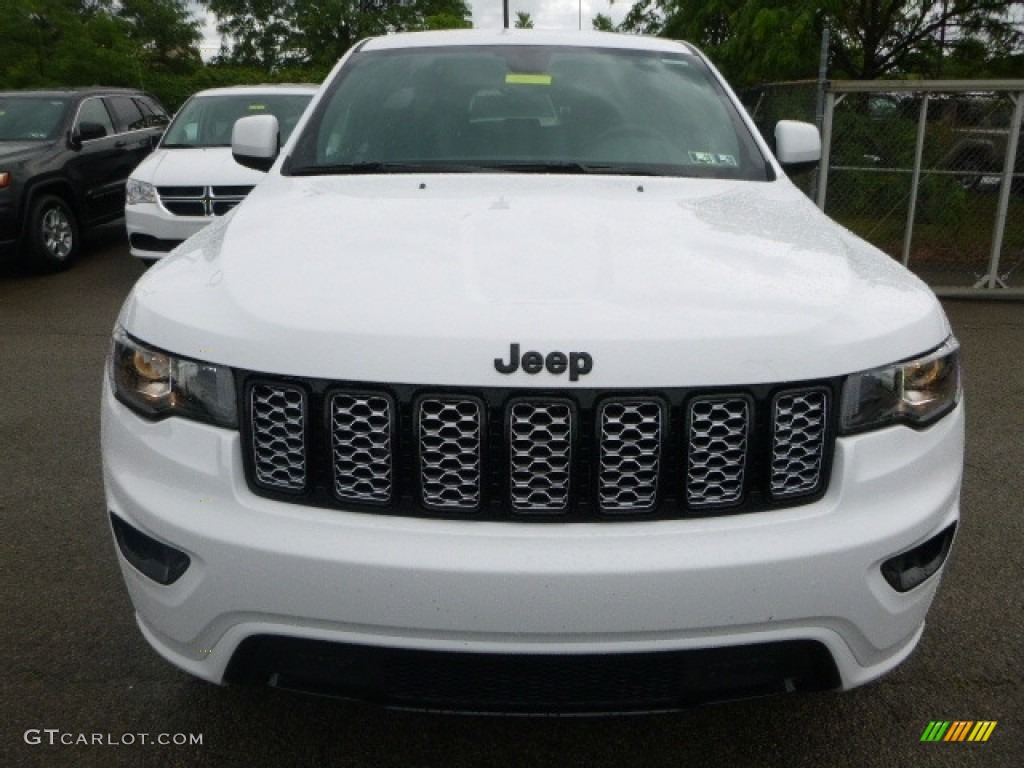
(958, 730)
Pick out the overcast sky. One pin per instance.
(547, 14)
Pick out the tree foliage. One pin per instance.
(272, 34)
(82, 42)
(523, 20)
(164, 30)
(761, 40)
(154, 44)
(138, 43)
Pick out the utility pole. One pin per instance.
(505, 4)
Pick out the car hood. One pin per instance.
(195, 167)
(431, 279)
(15, 150)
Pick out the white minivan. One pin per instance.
(191, 177)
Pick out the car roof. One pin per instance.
(83, 91)
(471, 37)
(260, 90)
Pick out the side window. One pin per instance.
(153, 113)
(94, 111)
(126, 113)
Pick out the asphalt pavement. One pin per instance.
(80, 686)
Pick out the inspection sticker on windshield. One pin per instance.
(711, 158)
(523, 79)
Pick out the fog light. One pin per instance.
(906, 571)
(162, 563)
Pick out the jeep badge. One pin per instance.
(577, 363)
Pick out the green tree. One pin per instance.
(603, 23)
(272, 34)
(165, 32)
(523, 20)
(760, 40)
(87, 42)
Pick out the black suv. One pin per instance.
(64, 158)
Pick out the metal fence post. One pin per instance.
(826, 149)
(992, 279)
(908, 232)
(819, 101)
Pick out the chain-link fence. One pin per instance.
(930, 172)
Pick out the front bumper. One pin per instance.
(153, 231)
(263, 568)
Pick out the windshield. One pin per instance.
(31, 118)
(207, 121)
(532, 109)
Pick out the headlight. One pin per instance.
(916, 393)
(139, 192)
(156, 385)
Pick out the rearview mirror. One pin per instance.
(86, 131)
(254, 141)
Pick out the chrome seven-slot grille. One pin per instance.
(202, 201)
(510, 453)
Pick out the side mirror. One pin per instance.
(86, 131)
(797, 146)
(254, 141)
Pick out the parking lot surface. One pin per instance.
(81, 687)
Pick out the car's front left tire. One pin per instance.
(53, 235)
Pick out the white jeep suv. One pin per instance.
(191, 177)
(526, 381)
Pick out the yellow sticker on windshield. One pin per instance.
(257, 107)
(514, 79)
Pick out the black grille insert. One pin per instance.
(571, 455)
(718, 428)
(278, 417)
(450, 452)
(540, 440)
(801, 425)
(630, 443)
(361, 430)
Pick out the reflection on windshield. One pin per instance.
(207, 121)
(30, 118)
(539, 109)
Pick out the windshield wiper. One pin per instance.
(554, 166)
(541, 167)
(573, 166)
